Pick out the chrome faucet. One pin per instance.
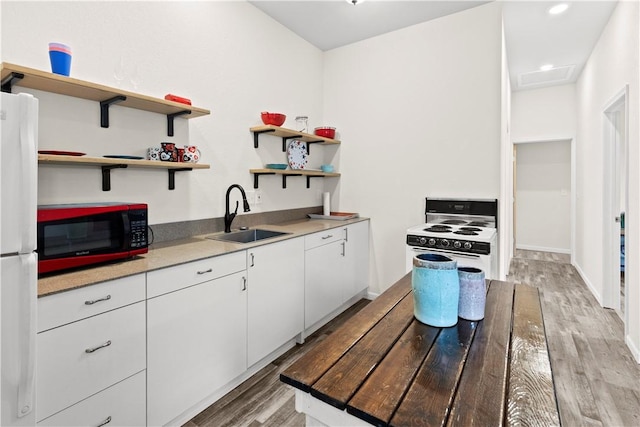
(228, 217)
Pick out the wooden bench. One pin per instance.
(383, 367)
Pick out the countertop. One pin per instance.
(178, 252)
(386, 368)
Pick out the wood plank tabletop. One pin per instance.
(388, 369)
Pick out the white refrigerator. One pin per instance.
(18, 259)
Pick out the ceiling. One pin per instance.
(533, 36)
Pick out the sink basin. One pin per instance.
(247, 236)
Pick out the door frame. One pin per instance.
(619, 103)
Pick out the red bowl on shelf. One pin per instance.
(325, 131)
(275, 119)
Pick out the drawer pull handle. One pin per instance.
(328, 236)
(105, 422)
(91, 302)
(205, 271)
(91, 350)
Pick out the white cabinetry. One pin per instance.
(84, 350)
(196, 335)
(276, 296)
(357, 259)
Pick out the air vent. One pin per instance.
(554, 75)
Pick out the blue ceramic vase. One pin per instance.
(473, 293)
(436, 290)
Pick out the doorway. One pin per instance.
(615, 148)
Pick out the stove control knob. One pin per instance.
(422, 240)
(444, 243)
(457, 244)
(467, 245)
(432, 242)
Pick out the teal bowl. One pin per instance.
(280, 166)
(327, 168)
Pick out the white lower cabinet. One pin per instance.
(276, 296)
(122, 404)
(356, 259)
(197, 342)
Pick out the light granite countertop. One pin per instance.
(178, 252)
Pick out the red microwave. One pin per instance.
(76, 235)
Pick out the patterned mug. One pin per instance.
(168, 152)
(191, 154)
(153, 153)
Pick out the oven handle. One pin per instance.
(470, 256)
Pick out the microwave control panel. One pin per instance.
(138, 222)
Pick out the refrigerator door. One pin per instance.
(18, 173)
(18, 296)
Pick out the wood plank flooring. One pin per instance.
(597, 380)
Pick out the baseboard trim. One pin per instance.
(544, 249)
(586, 280)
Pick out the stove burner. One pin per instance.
(478, 224)
(466, 232)
(439, 229)
(471, 228)
(453, 221)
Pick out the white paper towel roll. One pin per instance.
(326, 204)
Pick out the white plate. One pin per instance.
(297, 154)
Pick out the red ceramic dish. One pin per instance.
(327, 132)
(275, 119)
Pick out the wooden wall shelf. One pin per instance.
(287, 134)
(107, 164)
(290, 172)
(16, 75)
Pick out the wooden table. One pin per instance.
(383, 367)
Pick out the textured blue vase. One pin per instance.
(436, 290)
(473, 293)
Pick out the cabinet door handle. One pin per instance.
(328, 236)
(343, 248)
(105, 422)
(205, 271)
(244, 283)
(252, 260)
(346, 234)
(91, 350)
(91, 302)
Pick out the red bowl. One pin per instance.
(325, 131)
(275, 119)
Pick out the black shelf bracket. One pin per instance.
(309, 179)
(106, 175)
(172, 176)
(104, 109)
(10, 80)
(257, 133)
(170, 118)
(257, 175)
(284, 179)
(287, 138)
(309, 145)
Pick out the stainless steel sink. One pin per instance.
(247, 236)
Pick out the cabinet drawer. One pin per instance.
(82, 358)
(123, 404)
(66, 307)
(171, 279)
(328, 236)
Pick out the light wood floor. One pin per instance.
(596, 378)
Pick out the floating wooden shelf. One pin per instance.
(16, 75)
(287, 134)
(290, 172)
(107, 164)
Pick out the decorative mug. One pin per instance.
(180, 154)
(168, 152)
(191, 154)
(153, 153)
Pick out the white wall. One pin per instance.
(419, 112)
(228, 57)
(544, 114)
(543, 196)
(612, 65)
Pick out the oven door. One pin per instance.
(483, 262)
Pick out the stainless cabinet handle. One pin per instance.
(346, 234)
(91, 350)
(205, 271)
(91, 302)
(328, 236)
(244, 283)
(343, 248)
(252, 260)
(105, 422)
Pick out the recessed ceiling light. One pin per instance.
(546, 67)
(558, 9)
